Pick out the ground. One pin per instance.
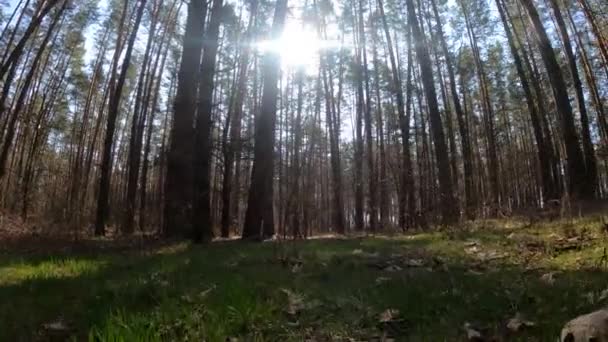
(510, 279)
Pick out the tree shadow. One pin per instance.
(434, 299)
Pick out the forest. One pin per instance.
(319, 170)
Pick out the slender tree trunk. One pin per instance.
(591, 80)
(575, 160)
(106, 159)
(155, 92)
(488, 112)
(384, 210)
(407, 180)
(449, 208)
(135, 141)
(20, 102)
(229, 211)
(467, 152)
(17, 51)
(542, 148)
(590, 185)
(372, 200)
(601, 40)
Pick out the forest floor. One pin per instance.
(509, 279)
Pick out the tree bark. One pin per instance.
(542, 149)
(590, 185)
(202, 223)
(259, 218)
(106, 159)
(575, 160)
(179, 177)
(449, 208)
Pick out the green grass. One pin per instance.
(325, 290)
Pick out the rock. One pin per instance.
(589, 327)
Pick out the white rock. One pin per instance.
(589, 327)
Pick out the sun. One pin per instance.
(298, 46)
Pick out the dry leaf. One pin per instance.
(233, 263)
(548, 278)
(491, 255)
(295, 302)
(590, 296)
(392, 268)
(187, 298)
(472, 250)
(472, 334)
(296, 268)
(382, 280)
(414, 263)
(603, 295)
(57, 326)
(518, 323)
(388, 315)
(204, 293)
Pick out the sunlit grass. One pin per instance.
(234, 289)
(48, 269)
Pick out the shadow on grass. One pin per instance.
(233, 289)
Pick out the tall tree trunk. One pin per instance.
(17, 51)
(449, 208)
(467, 152)
(13, 34)
(407, 180)
(601, 40)
(203, 230)
(372, 200)
(229, 212)
(179, 178)
(592, 83)
(542, 148)
(590, 185)
(488, 112)
(381, 162)
(154, 92)
(20, 102)
(135, 141)
(259, 218)
(106, 159)
(575, 160)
